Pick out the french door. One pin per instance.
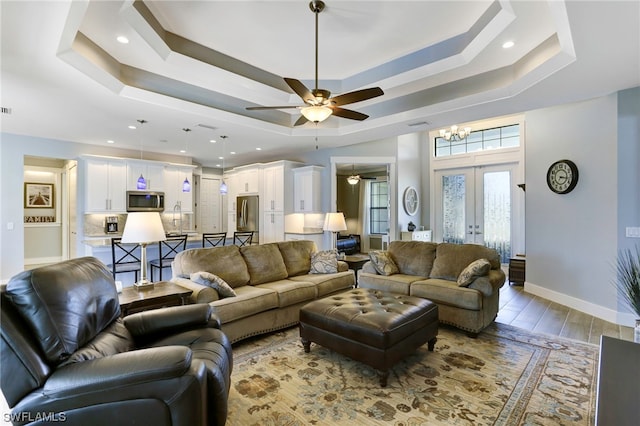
(475, 205)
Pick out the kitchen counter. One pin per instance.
(105, 240)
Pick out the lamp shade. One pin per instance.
(143, 228)
(334, 222)
(316, 113)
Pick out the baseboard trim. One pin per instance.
(610, 315)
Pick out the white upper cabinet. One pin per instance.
(273, 192)
(307, 189)
(153, 174)
(248, 180)
(174, 196)
(105, 185)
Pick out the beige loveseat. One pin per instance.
(271, 282)
(431, 271)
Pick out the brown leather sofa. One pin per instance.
(68, 357)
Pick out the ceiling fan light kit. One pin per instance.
(319, 105)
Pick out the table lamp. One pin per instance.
(334, 222)
(143, 228)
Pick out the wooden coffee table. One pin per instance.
(163, 294)
(356, 261)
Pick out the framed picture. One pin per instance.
(38, 195)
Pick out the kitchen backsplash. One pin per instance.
(96, 225)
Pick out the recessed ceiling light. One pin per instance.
(258, 149)
(132, 127)
(232, 152)
(110, 141)
(213, 141)
(217, 165)
(182, 151)
(122, 39)
(508, 44)
(220, 158)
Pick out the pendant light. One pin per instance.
(223, 185)
(141, 183)
(186, 186)
(354, 178)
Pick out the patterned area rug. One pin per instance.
(507, 376)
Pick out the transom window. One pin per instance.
(378, 207)
(479, 140)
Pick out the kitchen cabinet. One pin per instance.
(273, 227)
(231, 179)
(105, 185)
(273, 184)
(174, 177)
(153, 174)
(248, 180)
(307, 189)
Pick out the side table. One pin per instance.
(356, 262)
(517, 267)
(163, 294)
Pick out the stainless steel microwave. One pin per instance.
(145, 201)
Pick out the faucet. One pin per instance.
(177, 208)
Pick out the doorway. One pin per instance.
(476, 205)
(372, 169)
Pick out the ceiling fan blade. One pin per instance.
(357, 96)
(300, 89)
(256, 108)
(347, 113)
(300, 121)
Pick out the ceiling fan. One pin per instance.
(319, 104)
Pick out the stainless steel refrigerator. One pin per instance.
(247, 218)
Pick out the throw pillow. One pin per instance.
(324, 262)
(475, 269)
(213, 281)
(383, 263)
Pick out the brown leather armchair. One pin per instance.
(68, 356)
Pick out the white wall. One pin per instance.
(409, 174)
(572, 238)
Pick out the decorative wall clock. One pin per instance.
(562, 176)
(410, 201)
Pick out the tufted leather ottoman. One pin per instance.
(371, 326)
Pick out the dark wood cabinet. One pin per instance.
(517, 270)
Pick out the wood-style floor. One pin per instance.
(534, 313)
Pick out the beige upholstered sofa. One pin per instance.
(271, 283)
(431, 270)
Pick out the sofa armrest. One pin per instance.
(368, 267)
(200, 293)
(342, 266)
(170, 320)
(490, 283)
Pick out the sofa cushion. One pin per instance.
(413, 257)
(65, 304)
(264, 263)
(448, 293)
(297, 256)
(324, 262)
(292, 292)
(451, 259)
(477, 268)
(383, 263)
(215, 282)
(249, 300)
(226, 262)
(328, 283)
(396, 283)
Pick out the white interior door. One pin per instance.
(210, 205)
(474, 205)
